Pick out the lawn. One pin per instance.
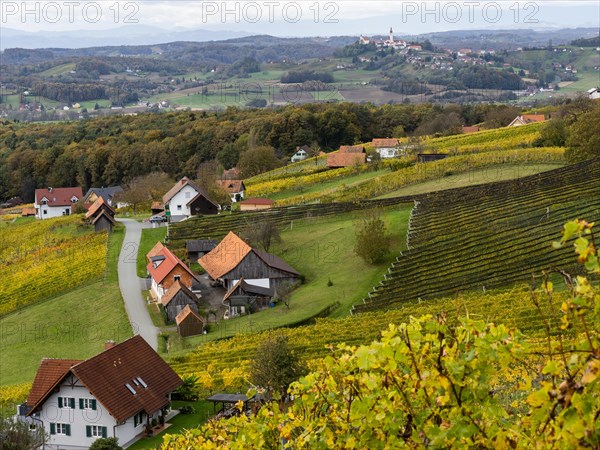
(150, 236)
(473, 177)
(322, 250)
(203, 411)
(73, 325)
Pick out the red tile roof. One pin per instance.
(171, 261)
(338, 159)
(58, 196)
(157, 205)
(155, 251)
(186, 313)
(49, 374)
(106, 374)
(225, 256)
(472, 129)
(351, 149)
(530, 118)
(232, 186)
(97, 205)
(385, 143)
(173, 290)
(257, 201)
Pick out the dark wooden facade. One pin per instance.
(430, 157)
(197, 248)
(190, 325)
(178, 302)
(253, 267)
(104, 221)
(202, 205)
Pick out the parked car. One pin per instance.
(158, 219)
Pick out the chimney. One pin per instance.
(109, 345)
(49, 189)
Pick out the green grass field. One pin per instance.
(73, 325)
(58, 70)
(150, 236)
(203, 411)
(474, 177)
(321, 249)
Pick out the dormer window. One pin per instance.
(74, 199)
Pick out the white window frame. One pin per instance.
(87, 403)
(65, 402)
(61, 429)
(96, 431)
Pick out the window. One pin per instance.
(66, 402)
(87, 403)
(44, 202)
(32, 427)
(188, 195)
(63, 429)
(178, 207)
(138, 419)
(45, 211)
(95, 431)
(177, 278)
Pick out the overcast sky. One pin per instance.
(299, 18)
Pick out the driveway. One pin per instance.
(131, 286)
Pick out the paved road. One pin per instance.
(131, 286)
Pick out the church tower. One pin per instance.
(391, 35)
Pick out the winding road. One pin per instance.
(131, 286)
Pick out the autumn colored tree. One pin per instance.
(372, 240)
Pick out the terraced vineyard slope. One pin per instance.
(490, 235)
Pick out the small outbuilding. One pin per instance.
(177, 298)
(189, 323)
(430, 157)
(256, 204)
(197, 248)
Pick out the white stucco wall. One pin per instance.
(181, 199)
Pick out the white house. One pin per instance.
(186, 199)
(235, 189)
(594, 93)
(387, 148)
(301, 153)
(56, 202)
(116, 393)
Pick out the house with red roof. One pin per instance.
(347, 156)
(116, 393)
(233, 259)
(526, 119)
(165, 269)
(386, 147)
(56, 202)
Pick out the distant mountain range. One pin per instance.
(127, 35)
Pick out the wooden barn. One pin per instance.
(176, 299)
(196, 248)
(233, 260)
(189, 323)
(101, 215)
(246, 298)
(201, 204)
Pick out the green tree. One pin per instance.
(553, 134)
(263, 234)
(584, 140)
(372, 240)
(188, 391)
(111, 443)
(15, 435)
(258, 160)
(275, 366)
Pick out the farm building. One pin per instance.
(165, 268)
(189, 323)
(28, 212)
(157, 208)
(387, 148)
(101, 215)
(526, 119)
(256, 204)
(176, 298)
(196, 248)
(301, 153)
(347, 156)
(244, 297)
(430, 157)
(233, 260)
(123, 389)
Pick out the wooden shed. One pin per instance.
(196, 248)
(256, 204)
(201, 204)
(177, 298)
(430, 157)
(103, 222)
(189, 323)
